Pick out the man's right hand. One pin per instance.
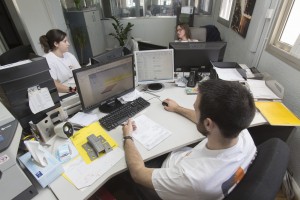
(172, 105)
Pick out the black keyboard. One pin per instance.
(123, 113)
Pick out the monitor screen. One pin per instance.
(101, 85)
(154, 66)
(189, 56)
(144, 46)
(107, 56)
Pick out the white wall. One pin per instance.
(38, 17)
(251, 51)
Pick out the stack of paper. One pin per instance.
(277, 114)
(229, 74)
(260, 90)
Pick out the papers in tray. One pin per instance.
(229, 74)
(260, 90)
(148, 132)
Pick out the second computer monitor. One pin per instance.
(107, 56)
(154, 67)
(189, 56)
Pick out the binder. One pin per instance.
(277, 114)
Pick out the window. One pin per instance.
(204, 6)
(140, 8)
(225, 12)
(284, 42)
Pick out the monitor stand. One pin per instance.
(155, 87)
(110, 106)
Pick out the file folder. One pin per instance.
(277, 114)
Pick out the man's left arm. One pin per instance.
(139, 173)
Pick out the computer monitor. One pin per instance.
(14, 84)
(100, 85)
(190, 56)
(144, 46)
(107, 56)
(154, 67)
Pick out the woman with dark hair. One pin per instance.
(184, 33)
(61, 63)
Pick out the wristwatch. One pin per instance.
(71, 89)
(127, 137)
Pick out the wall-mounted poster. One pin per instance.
(242, 16)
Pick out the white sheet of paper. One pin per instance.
(260, 90)
(148, 132)
(39, 99)
(83, 119)
(186, 10)
(229, 74)
(130, 96)
(83, 175)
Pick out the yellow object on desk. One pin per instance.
(277, 113)
(80, 138)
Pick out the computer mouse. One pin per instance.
(164, 103)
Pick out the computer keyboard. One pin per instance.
(123, 113)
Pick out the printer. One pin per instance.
(14, 184)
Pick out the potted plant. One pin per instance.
(121, 33)
(77, 4)
(80, 41)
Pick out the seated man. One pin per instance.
(212, 168)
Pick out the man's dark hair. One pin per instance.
(229, 104)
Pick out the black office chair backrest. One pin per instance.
(16, 54)
(264, 177)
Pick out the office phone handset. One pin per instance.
(192, 79)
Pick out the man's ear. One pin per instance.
(208, 124)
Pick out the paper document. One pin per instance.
(277, 114)
(130, 96)
(148, 132)
(83, 119)
(229, 74)
(39, 99)
(260, 90)
(82, 175)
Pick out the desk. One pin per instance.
(184, 133)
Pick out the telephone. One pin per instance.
(192, 79)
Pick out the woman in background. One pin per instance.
(61, 62)
(184, 33)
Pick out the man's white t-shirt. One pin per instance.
(61, 68)
(201, 173)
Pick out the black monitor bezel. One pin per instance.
(89, 108)
(151, 46)
(199, 67)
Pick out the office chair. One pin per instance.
(17, 54)
(264, 177)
